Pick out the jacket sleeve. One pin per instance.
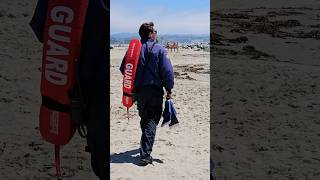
(166, 70)
(122, 65)
(38, 20)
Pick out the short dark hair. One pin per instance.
(145, 29)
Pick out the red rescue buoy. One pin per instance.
(61, 49)
(130, 68)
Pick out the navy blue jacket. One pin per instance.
(159, 71)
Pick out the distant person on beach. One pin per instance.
(175, 47)
(154, 72)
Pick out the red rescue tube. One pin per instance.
(130, 68)
(61, 49)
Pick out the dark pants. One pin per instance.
(150, 110)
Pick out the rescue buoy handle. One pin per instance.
(128, 115)
(57, 161)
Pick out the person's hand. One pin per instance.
(168, 96)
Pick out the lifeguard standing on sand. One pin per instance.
(154, 72)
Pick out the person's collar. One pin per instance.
(147, 40)
(150, 40)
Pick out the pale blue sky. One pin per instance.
(169, 16)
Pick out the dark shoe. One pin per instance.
(146, 160)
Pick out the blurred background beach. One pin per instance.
(23, 153)
(265, 89)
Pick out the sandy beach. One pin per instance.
(179, 153)
(265, 101)
(24, 155)
(265, 70)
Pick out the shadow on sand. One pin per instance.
(131, 156)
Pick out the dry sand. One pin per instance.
(265, 84)
(182, 152)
